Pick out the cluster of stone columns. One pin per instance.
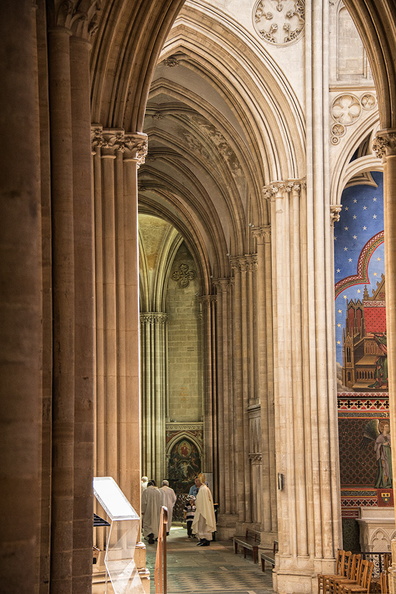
(154, 393)
(385, 147)
(116, 158)
(242, 394)
(305, 401)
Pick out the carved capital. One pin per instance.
(246, 263)
(113, 140)
(153, 317)
(335, 210)
(384, 144)
(283, 189)
(221, 284)
(263, 232)
(80, 18)
(134, 147)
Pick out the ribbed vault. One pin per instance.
(221, 123)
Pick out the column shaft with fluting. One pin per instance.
(116, 158)
(154, 389)
(63, 309)
(385, 147)
(84, 314)
(20, 300)
(265, 384)
(304, 392)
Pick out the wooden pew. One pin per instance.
(249, 542)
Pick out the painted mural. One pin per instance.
(361, 349)
(184, 465)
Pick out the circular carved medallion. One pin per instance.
(346, 109)
(279, 21)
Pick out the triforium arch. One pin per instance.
(70, 301)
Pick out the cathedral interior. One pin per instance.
(198, 274)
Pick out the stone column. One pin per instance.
(385, 147)
(210, 412)
(73, 307)
(154, 388)
(266, 383)
(83, 215)
(116, 160)
(20, 299)
(63, 308)
(243, 322)
(306, 443)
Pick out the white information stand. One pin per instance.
(122, 536)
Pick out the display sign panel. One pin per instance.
(112, 499)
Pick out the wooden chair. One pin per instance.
(352, 577)
(363, 585)
(384, 583)
(343, 561)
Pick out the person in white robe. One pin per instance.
(143, 484)
(169, 500)
(204, 523)
(151, 510)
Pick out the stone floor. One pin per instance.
(209, 570)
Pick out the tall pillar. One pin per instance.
(63, 308)
(244, 376)
(154, 388)
(73, 308)
(385, 147)
(266, 383)
(20, 299)
(116, 160)
(309, 530)
(84, 267)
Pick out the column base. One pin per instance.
(226, 526)
(299, 575)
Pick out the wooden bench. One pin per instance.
(268, 555)
(249, 542)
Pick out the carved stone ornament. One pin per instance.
(215, 137)
(183, 275)
(283, 188)
(385, 143)
(335, 210)
(346, 109)
(279, 21)
(112, 140)
(153, 317)
(171, 62)
(80, 17)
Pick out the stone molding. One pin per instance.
(175, 426)
(282, 189)
(113, 140)
(384, 144)
(153, 317)
(69, 15)
(246, 263)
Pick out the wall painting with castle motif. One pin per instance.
(361, 349)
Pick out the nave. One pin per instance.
(213, 570)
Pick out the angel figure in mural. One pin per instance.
(380, 433)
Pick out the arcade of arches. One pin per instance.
(175, 180)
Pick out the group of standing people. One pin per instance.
(153, 499)
(201, 521)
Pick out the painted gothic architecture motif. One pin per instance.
(198, 257)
